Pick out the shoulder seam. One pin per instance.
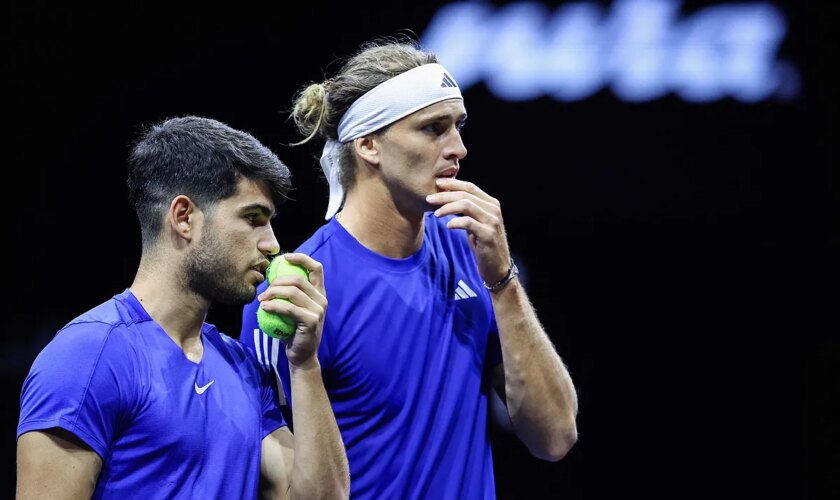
(96, 363)
(88, 321)
(321, 243)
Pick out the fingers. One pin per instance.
(468, 200)
(309, 317)
(306, 304)
(307, 313)
(481, 231)
(458, 185)
(464, 204)
(294, 293)
(479, 213)
(450, 196)
(316, 270)
(301, 283)
(305, 294)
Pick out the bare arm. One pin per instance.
(55, 464)
(312, 464)
(320, 461)
(538, 390)
(276, 460)
(536, 386)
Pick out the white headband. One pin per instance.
(386, 103)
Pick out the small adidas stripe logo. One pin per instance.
(447, 81)
(463, 291)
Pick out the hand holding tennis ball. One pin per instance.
(277, 325)
(296, 292)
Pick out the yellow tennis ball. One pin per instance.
(275, 325)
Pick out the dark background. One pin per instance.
(682, 256)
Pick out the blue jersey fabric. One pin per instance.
(406, 354)
(165, 427)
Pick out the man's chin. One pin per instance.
(240, 297)
(248, 295)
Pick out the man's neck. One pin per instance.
(380, 226)
(178, 311)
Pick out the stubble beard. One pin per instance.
(210, 272)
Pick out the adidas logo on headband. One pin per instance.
(447, 81)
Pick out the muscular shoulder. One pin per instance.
(88, 337)
(100, 340)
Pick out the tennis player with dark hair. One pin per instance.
(139, 397)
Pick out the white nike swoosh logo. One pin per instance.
(200, 390)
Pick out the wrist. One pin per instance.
(309, 365)
(512, 273)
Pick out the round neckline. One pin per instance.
(390, 264)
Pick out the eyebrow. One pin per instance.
(443, 117)
(259, 207)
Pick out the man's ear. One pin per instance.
(367, 148)
(182, 216)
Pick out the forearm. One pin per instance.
(540, 396)
(320, 467)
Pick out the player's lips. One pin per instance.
(450, 172)
(260, 269)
